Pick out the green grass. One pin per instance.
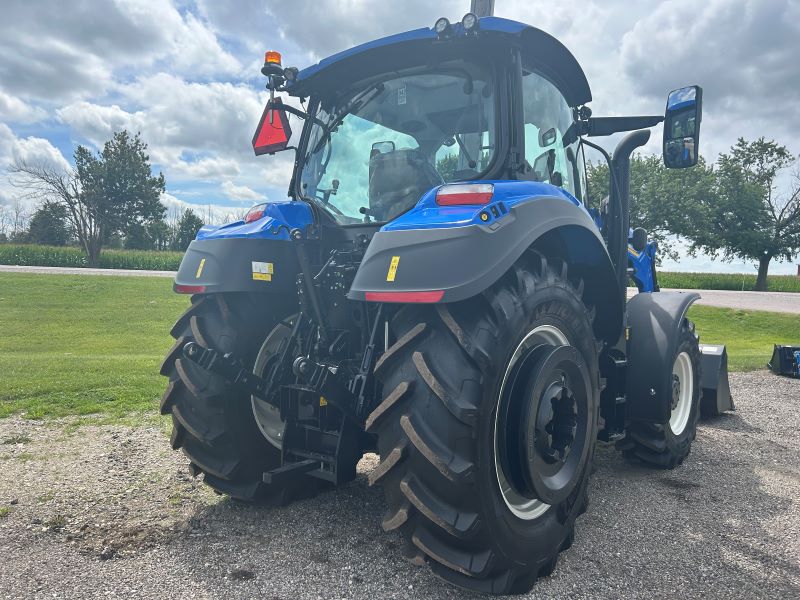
(83, 345)
(59, 256)
(749, 335)
(75, 344)
(726, 281)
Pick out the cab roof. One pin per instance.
(539, 50)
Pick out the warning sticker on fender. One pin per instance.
(262, 271)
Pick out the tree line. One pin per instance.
(110, 198)
(733, 208)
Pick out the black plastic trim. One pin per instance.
(654, 320)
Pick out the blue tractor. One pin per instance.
(436, 290)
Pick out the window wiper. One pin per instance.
(358, 102)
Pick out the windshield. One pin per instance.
(383, 147)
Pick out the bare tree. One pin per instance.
(20, 216)
(47, 183)
(5, 221)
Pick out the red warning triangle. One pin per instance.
(272, 137)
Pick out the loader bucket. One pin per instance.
(716, 397)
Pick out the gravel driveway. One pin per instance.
(104, 511)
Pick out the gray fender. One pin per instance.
(654, 322)
(226, 265)
(465, 261)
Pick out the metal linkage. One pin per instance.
(228, 367)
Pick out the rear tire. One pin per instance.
(667, 445)
(213, 423)
(437, 438)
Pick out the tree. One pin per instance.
(658, 196)
(746, 217)
(104, 194)
(49, 225)
(187, 229)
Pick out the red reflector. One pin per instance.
(273, 130)
(422, 297)
(460, 194)
(189, 289)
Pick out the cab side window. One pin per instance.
(546, 118)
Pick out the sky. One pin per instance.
(186, 73)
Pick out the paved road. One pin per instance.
(783, 302)
(83, 271)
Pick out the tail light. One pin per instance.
(465, 194)
(255, 213)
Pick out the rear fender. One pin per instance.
(464, 261)
(239, 265)
(654, 322)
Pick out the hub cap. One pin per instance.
(541, 423)
(682, 392)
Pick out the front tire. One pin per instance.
(440, 467)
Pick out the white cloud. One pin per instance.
(14, 110)
(32, 150)
(241, 192)
(54, 51)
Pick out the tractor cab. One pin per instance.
(484, 99)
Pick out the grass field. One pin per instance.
(81, 344)
(77, 345)
(726, 281)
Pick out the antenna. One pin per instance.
(482, 8)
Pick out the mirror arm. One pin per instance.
(294, 111)
(597, 126)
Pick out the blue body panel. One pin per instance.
(643, 266)
(429, 215)
(487, 24)
(279, 218)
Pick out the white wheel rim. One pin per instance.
(522, 507)
(682, 369)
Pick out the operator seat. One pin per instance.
(397, 180)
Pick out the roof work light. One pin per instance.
(442, 27)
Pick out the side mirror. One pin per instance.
(682, 127)
(273, 132)
(546, 138)
(381, 148)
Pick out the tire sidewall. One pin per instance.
(557, 305)
(679, 443)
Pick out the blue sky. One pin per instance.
(186, 73)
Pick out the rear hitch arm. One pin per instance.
(228, 367)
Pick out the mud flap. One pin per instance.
(716, 397)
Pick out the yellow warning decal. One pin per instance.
(393, 268)
(262, 271)
(200, 268)
(322, 401)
